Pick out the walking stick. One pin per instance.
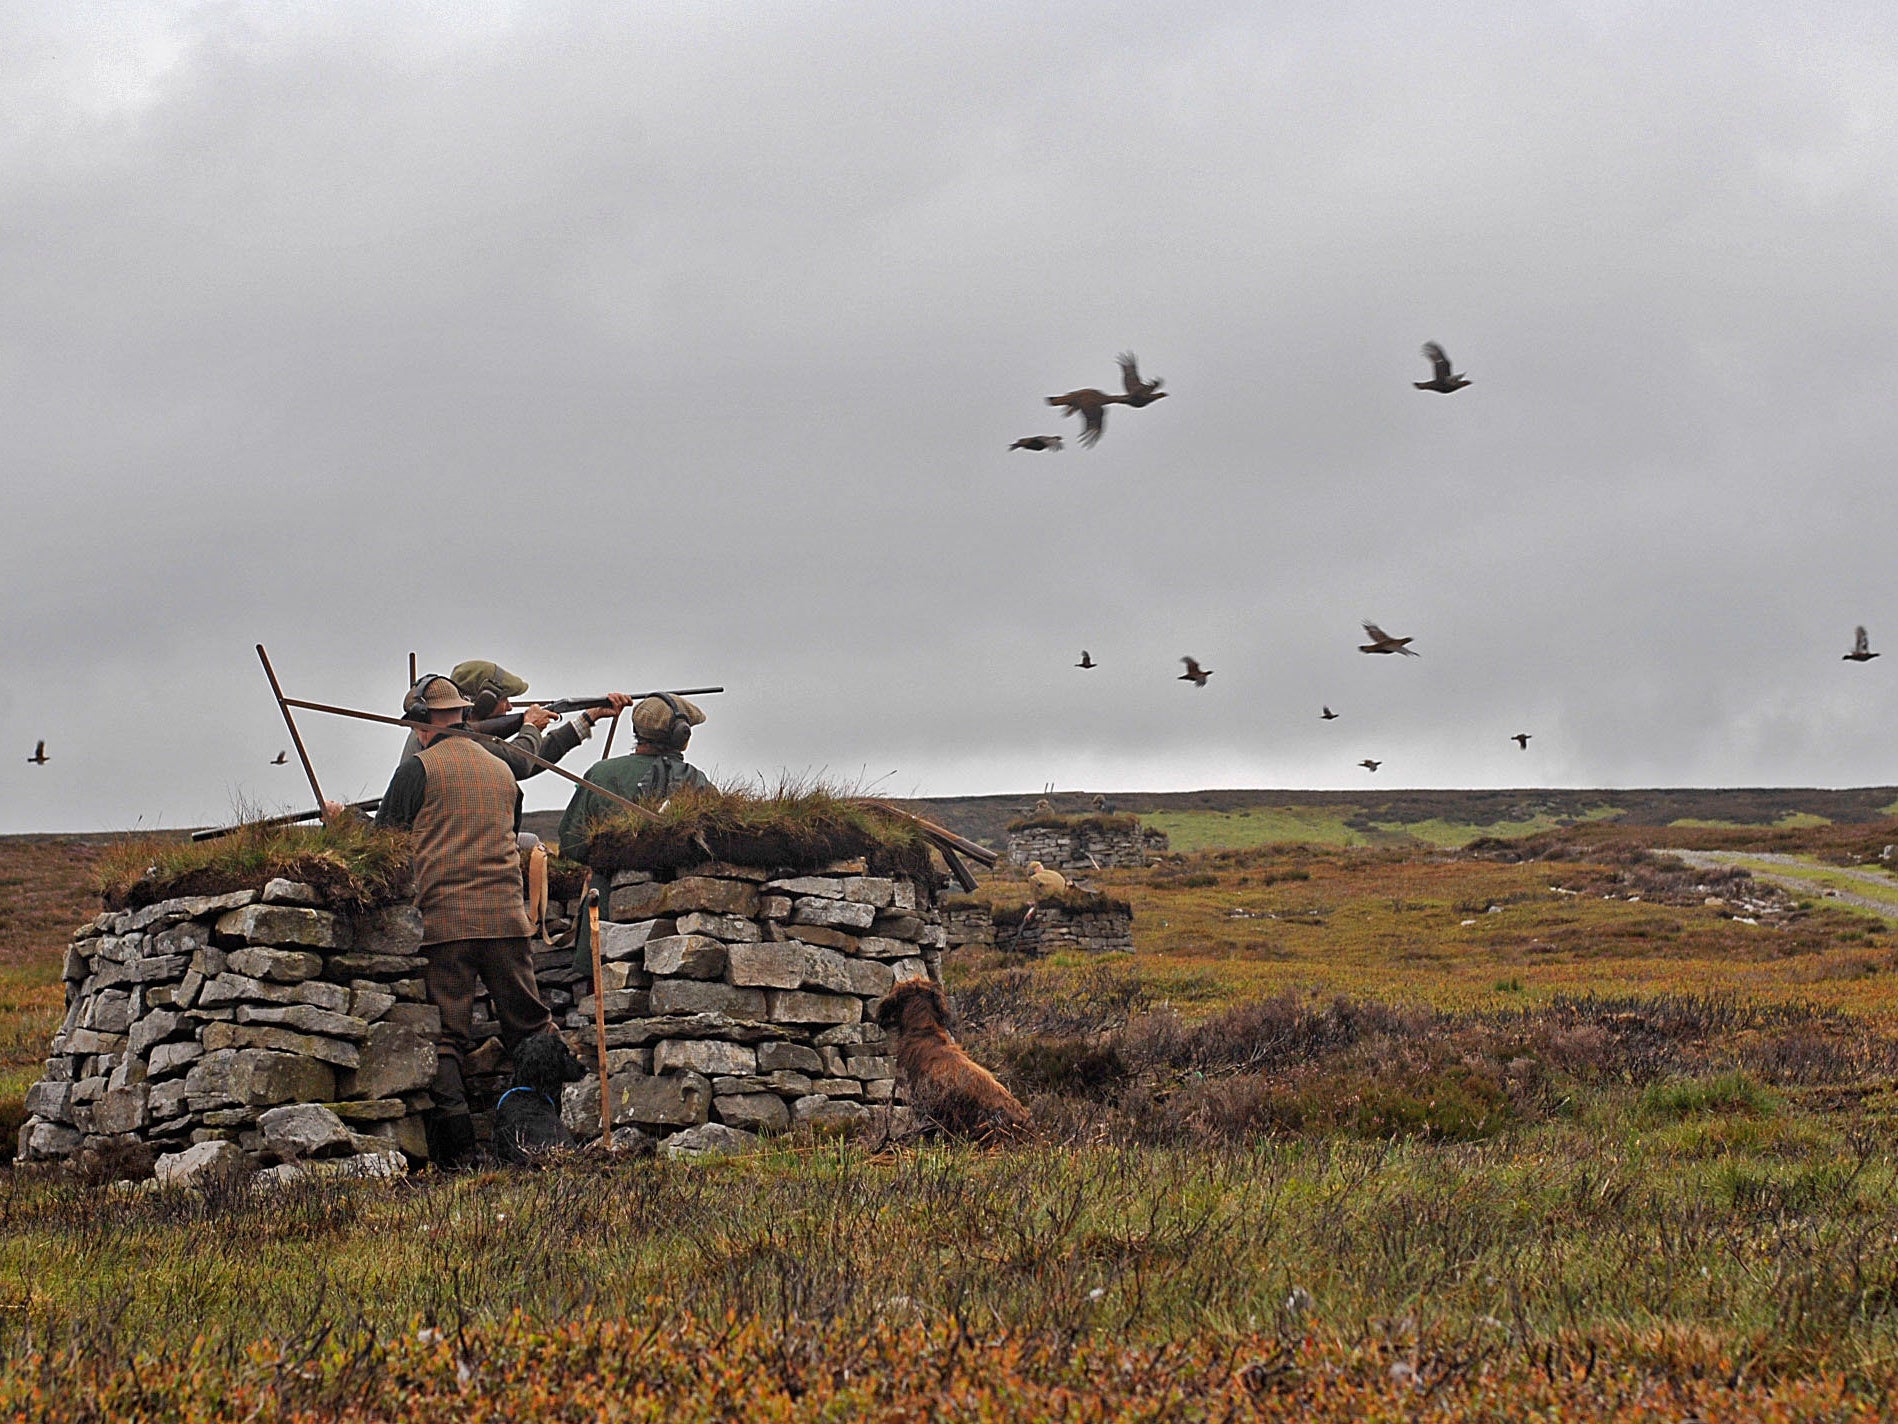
(291, 723)
(599, 1017)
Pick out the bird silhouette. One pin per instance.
(1382, 642)
(1037, 442)
(1327, 715)
(39, 757)
(1194, 673)
(1091, 405)
(1370, 765)
(1139, 392)
(1086, 661)
(280, 758)
(1521, 739)
(1441, 378)
(1861, 649)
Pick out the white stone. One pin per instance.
(198, 1166)
(711, 1139)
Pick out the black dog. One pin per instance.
(527, 1119)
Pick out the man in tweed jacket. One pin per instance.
(461, 807)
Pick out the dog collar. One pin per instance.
(535, 1091)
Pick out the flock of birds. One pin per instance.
(1090, 403)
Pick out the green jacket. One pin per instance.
(637, 777)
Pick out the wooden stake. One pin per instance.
(291, 723)
(414, 676)
(599, 1018)
(611, 732)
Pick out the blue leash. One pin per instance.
(535, 1091)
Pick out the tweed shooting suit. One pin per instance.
(462, 818)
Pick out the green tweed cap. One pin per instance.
(472, 676)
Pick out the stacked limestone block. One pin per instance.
(969, 924)
(1052, 927)
(744, 997)
(1086, 844)
(197, 1020)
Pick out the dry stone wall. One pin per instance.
(1052, 927)
(1085, 847)
(261, 1030)
(739, 1000)
(258, 1020)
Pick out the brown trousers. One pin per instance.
(506, 967)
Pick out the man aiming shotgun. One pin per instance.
(489, 690)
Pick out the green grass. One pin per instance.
(1791, 821)
(1189, 831)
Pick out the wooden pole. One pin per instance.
(453, 731)
(291, 723)
(414, 676)
(599, 1018)
(611, 732)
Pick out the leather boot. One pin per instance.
(451, 1142)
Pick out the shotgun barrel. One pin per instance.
(510, 724)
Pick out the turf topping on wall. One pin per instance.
(1117, 824)
(352, 865)
(801, 831)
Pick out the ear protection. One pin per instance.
(679, 729)
(485, 701)
(415, 706)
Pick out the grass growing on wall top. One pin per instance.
(798, 828)
(1099, 822)
(352, 864)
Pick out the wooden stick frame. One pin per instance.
(290, 722)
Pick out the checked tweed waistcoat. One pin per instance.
(467, 863)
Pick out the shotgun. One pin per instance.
(510, 724)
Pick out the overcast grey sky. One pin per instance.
(670, 344)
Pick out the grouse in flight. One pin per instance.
(1087, 660)
(1441, 378)
(1091, 405)
(1194, 673)
(280, 758)
(1139, 392)
(1370, 765)
(1521, 739)
(1327, 715)
(39, 757)
(1382, 642)
(1861, 649)
(1037, 442)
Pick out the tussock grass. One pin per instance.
(797, 828)
(352, 864)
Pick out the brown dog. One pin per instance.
(945, 1084)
